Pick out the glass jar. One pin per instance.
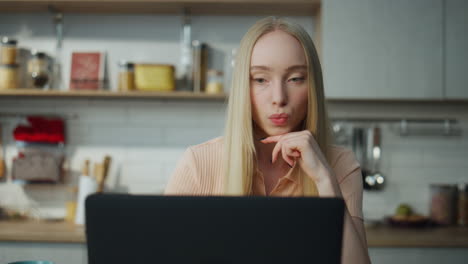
(462, 204)
(9, 77)
(444, 201)
(9, 50)
(229, 69)
(215, 82)
(39, 70)
(126, 76)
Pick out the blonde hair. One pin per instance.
(240, 155)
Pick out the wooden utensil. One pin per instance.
(103, 173)
(85, 171)
(2, 157)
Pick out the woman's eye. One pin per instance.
(260, 80)
(297, 79)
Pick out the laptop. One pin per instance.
(124, 229)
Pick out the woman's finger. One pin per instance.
(275, 152)
(277, 138)
(291, 141)
(284, 153)
(296, 154)
(271, 139)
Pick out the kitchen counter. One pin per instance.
(380, 236)
(441, 237)
(41, 231)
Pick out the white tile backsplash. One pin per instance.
(146, 139)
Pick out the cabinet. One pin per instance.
(456, 49)
(380, 49)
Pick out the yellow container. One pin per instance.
(215, 82)
(71, 211)
(154, 77)
(8, 51)
(9, 78)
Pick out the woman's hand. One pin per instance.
(300, 147)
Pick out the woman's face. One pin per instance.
(278, 84)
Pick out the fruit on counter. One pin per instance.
(416, 218)
(404, 213)
(403, 210)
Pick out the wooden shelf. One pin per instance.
(205, 7)
(110, 94)
(184, 95)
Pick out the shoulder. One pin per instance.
(209, 144)
(206, 153)
(343, 161)
(208, 148)
(348, 173)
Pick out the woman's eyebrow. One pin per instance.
(296, 67)
(265, 68)
(290, 68)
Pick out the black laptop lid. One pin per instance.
(123, 229)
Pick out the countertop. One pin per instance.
(41, 231)
(380, 236)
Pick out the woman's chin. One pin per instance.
(277, 130)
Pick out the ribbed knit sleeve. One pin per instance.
(185, 179)
(348, 173)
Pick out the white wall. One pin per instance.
(412, 163)
(146, 137)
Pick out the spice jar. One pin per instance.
(38, 70)
(444, 201)
(126, 76)
(462, 204)
(9, 76)
(214, 82)
(9, 50)
(70, 203)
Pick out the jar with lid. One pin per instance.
(462, 204)
(126, 76)
(9, 76)
(214, 82)
(444, 201)
(39, 69)
(9, 50)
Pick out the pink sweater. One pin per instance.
(200, 172)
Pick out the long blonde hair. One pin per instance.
(240, 162)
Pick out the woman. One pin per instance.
(277, 139)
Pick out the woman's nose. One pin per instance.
(279, 96)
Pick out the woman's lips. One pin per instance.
(279, 119)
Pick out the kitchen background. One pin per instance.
(145, 137)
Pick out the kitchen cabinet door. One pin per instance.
(66, 253)
(456, 49)
(380, 49)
